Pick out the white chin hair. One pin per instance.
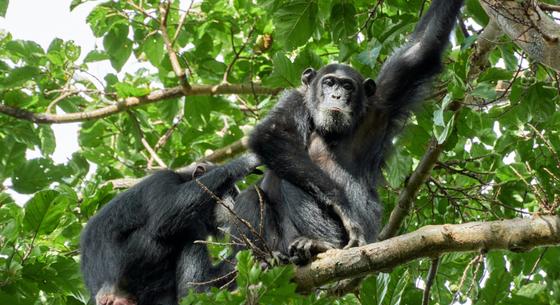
(332, 121)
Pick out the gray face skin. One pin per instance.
(337, 96)
(335, 111)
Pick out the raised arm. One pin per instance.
(404, 76)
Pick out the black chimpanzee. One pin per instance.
(325, 143)
(133, 251)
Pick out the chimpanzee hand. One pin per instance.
(251, 161)
(303, 249)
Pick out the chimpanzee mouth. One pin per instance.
(336, 109)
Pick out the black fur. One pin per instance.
(138, 249)
(325, 142)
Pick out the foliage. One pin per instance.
(500, 158)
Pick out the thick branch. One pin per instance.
(156, 96)
(529, 27)
(408, 194)
(428, 242)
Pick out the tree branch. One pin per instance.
(164, 11)
(520, 234)
(156, 96)
(430, 281)
(528, 27)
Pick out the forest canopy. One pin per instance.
(478, 162)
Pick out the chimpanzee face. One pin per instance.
(337, 97)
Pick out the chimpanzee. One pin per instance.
(133, 250)
(324, 145)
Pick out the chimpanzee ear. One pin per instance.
(308, 75)
(369, 87)
(199, 171)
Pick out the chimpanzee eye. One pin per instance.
(348, 86)
(328, 82)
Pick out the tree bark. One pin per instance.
(156, 96)
(520, 234)
(529, 27)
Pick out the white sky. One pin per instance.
(42, 21)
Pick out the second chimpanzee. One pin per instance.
(138, 250)
(325, 143)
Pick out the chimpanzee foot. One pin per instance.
(303, 249)
(355, 239)
(275, 259)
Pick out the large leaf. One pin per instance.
(343, 21)
(118, 46)
(3, 7)
(43, 212)
(295, 22)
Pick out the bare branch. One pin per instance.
(549, 7)
(153, 154)
(156, 96)
(520, 234)
(528, 27)
(236, 53)
(164, 11)
(163, 140)
(407, 195)
(227, 152)
(430, 281)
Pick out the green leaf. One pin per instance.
(48, 142)
(36, 174)
(154, 49)
(118, 46)
(19, 76)
(96, 55)
(485, 90)
(283, 73)
(43, 212)
(295, 22)
(128, 90)
(76, 3)
(370, 55)
(3, 7)
(397, 169)
(497, 286)
(343, 21)
(29, 51)
(442, 136)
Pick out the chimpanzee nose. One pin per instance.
(335, 96)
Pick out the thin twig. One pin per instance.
(430, 281)
(223, 277)
(549, 7)
(236, 53)
(141, 10)
(179, 72)
(163, 140)
(181, 23)
(144, 142)
(232, 212)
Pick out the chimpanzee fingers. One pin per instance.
(320, 246)
(303, 249)
(278, 258)
(355, 241)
